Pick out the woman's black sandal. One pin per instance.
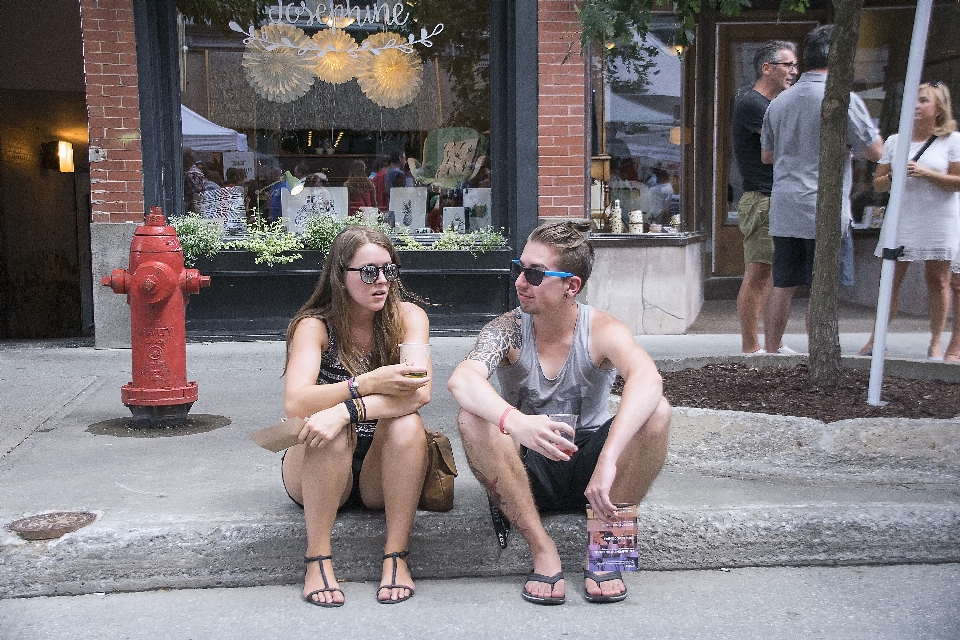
(326, 585)
(393, 579)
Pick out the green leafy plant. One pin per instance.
(319, 232)
(405, 242)
(270, 242)
(616, 22)
(198, 237)
(476, 241)
(361, 221)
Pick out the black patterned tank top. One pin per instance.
(333, 371)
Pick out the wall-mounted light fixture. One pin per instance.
(57, 155)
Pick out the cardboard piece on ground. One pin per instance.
(280, 436)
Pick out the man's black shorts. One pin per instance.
(792, 261)
(558, 485)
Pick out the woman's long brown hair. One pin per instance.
(331, 302)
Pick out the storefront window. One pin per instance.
(642, 133)
(401, 134)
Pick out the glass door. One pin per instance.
(736, 44)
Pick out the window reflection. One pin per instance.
(643, 123)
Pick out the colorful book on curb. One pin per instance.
(613, 546)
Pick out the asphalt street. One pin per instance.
(909, 602)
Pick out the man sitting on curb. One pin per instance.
(554, 355)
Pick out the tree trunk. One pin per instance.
(825, 363)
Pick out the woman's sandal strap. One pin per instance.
(326, 585)
(402, 555)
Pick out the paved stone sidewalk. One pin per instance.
(208, 509)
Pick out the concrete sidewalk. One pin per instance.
(209, 510)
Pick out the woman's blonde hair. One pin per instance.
(941, 97)
(331, 302)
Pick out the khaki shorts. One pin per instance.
(753, 212)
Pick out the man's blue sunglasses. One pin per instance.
(535, 276)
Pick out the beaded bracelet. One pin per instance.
(352, 410)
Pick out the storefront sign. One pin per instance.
(293, 13)
(332, 16)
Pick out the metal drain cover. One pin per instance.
(47, 526)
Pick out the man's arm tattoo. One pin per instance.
(496, 340)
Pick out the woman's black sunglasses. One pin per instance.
(369, 272)
(534, 276)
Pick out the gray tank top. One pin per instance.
(580, 387)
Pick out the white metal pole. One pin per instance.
(889, 238)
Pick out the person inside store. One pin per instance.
(929, 221)
(386, 176)
(360, 189)
(363, 444)
(554, 355)
(435, 214)
(193, 180)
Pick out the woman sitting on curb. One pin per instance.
(363, 444)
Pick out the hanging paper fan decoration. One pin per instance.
(279, 75)
(391, 79)
(336, 65)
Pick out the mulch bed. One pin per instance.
(784, 391)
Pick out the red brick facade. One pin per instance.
(562, 132)
(113, 110)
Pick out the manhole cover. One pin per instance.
(127, 427)
(51, 525)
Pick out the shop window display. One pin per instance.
(312, 97)
(637, 89)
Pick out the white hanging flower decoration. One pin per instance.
(277, 72)
(337, 58)
(392, 78)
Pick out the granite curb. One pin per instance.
(738, 489)
(243, 552)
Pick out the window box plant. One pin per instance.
(258, 285)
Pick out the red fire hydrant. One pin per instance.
(157, 286)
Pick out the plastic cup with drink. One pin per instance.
(416, 355)
(566, 418)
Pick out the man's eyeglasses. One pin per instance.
(792, 65)
(534, 276)
(369, 272)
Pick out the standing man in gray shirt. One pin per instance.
(554, 355)
(775, 64)
(790, 141)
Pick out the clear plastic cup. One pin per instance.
(566, 418)
(416, 355)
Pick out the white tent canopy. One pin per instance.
(200, 134)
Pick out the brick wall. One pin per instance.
(562, 126)
(113, 110)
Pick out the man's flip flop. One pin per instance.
(607, 577)
(550, 580)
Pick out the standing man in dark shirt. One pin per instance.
(775, 64)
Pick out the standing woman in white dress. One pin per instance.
(929, 224)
